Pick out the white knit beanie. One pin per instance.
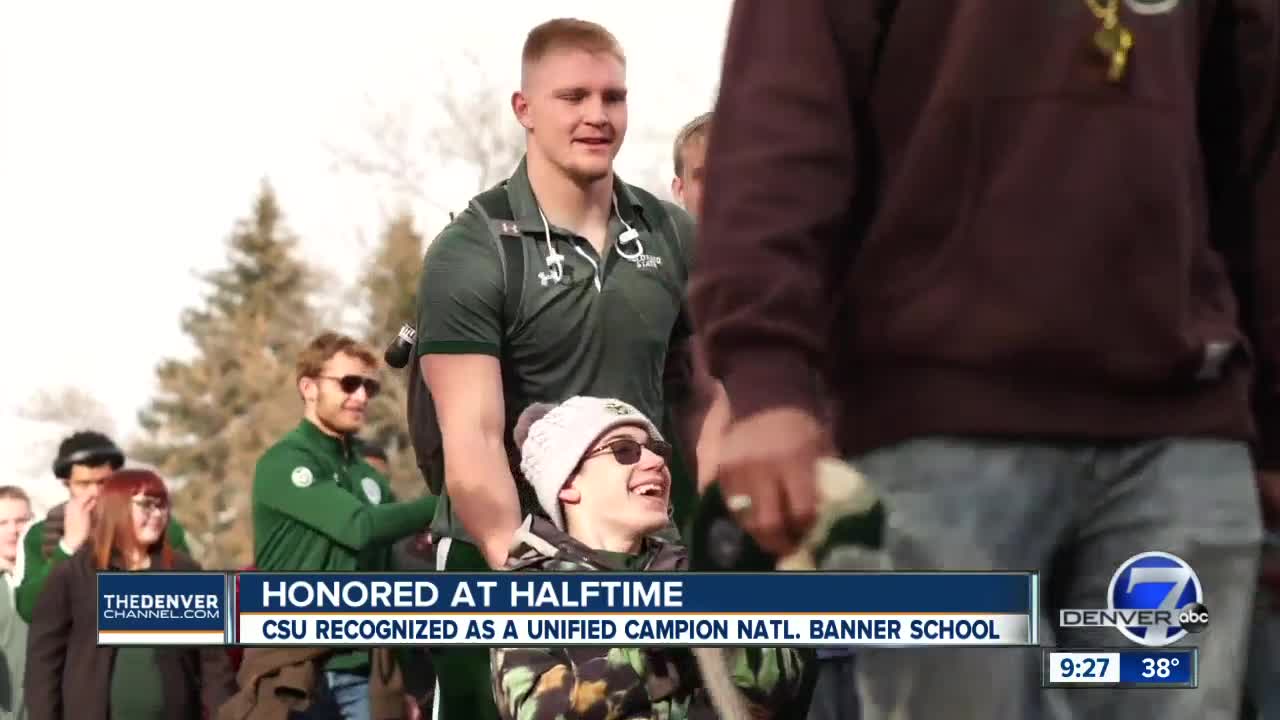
(553, 438)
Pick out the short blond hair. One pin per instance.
(568, 33)
(695, 129)
(13, 492)
(319, 351)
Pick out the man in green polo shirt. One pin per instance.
(84, 461)
(318, 505)
(600, 311)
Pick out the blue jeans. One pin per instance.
(1075, 513)
(345, 696)
(1263, 676)
(835, 696)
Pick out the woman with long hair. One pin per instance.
(68, 674)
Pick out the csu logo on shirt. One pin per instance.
(647, 262)
(372, 490)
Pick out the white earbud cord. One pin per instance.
(630, 235)
(556, 261)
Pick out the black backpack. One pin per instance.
(424, 427)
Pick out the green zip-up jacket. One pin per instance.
(319, 507)
(42, 552)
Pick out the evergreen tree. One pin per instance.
(216, 413)
(390, 284)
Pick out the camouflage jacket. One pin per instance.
(571, 683)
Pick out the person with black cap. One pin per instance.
(84, 461)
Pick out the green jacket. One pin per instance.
(319, 507)
(42, 551)
(626, 683)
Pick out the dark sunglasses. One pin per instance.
(351, 383)
(627, 451)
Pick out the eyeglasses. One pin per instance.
(151, 505)
(627, 450)
(351, 383)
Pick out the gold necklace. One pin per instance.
(1113, 40)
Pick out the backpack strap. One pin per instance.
(495, 207)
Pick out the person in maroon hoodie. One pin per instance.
(1033, 249)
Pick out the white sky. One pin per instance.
(133, 134)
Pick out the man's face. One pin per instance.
(15, 515)
(339, 409)
(687, 188)
(574, 104)
(86, 480)
(630, 499)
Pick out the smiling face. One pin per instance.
(329, 403)
(150, 516)
(573, 102)
(622, 498)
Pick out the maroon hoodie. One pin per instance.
(985, 236)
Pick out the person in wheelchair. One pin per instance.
(599, 469)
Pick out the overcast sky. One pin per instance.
(133, 135)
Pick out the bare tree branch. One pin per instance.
(474, 133)
(478, 129)
(61, 410)
(68, 405)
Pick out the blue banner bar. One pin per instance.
(1159, 667)
(162, 602)
(694, 593)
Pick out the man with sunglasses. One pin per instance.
(84, 461)
(319, 506)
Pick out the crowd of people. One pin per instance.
(1025, 294)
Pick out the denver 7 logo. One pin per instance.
(1159, 582)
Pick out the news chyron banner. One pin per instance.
(560, 609)
(164, 608)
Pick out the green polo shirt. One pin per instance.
(603, 329)
(319, 507)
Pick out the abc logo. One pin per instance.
(1165, 587)
(1194, 618)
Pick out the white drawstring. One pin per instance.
(629, 235)
(555, 261)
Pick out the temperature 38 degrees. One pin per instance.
(1159, 668)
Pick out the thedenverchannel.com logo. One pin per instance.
(1154, 599)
